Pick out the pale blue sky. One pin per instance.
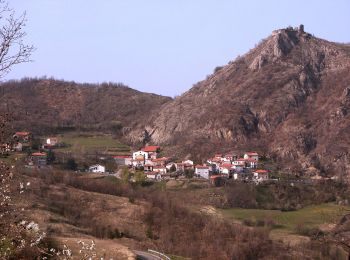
(160, 46)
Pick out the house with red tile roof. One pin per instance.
(38, 159)
(261, 175)
(226, 168)
(251, 155)
(152, 151)
(22, 136)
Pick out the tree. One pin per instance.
(125, 175)
(50, 157)
(71, 164)
(173, 168)
(13, 50)
(140, 177)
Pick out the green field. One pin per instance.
(91, 143)
(308, 217)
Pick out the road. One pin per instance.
(141, 255)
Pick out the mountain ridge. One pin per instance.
(251, 103)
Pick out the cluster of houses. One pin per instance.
(232, 166)
(21, 142)
(156, 167)
(220, 166)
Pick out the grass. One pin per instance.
(11, 159)
(90, 143)
(309, 217)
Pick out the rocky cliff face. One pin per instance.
(288, 98)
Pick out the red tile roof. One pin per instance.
(216, 176)
(22, 133)
(151, 148)
(252, 153)
(250, 160)
(38, 154)
(226, 165)
(260, 171)
(202, 167)
(160, 159)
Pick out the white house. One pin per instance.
(239, 162)
(226, 168)
(238, 168)
(251, 155)
(202, 171)
(251, 163)
(159, 169)
(153, 175)
(189, 162)
(97, 168)
(261, 175)
(138, 154)
(52, 141)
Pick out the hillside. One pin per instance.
(43, 105)
(288, 98)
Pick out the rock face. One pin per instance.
(288, 98)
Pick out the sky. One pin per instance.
(160, 46)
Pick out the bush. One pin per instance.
(71, 165)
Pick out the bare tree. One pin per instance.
(13, 50)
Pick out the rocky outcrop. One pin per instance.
(286, 98)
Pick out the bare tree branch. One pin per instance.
(13, 50)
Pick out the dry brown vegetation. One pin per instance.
(48, 105)
(155, 219)
(150, 217)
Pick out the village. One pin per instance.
(149, 161)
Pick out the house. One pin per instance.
(230, 157)
(18, 147)
(148, 167)
(169, 165)
(123, 160)
(202, 171)
(159, 169)
(138, 154)
(184, 165)
(39, 159)
(239, 162)
(238, 168)
(152, 151)
(153, 176)
(52, 141)
(139, 158)
(188, 162)
(260, 175)
(251, 163)
(22, 136)
(251, 155)
(226, 169)
(161, 161)
(97, 168)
